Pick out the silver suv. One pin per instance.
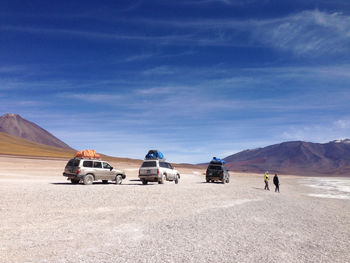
(90, 170)
(158, 171)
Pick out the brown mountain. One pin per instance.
(15, 125)
(297, 157)
(12, 145)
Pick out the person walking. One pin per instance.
(276, 182)
(266, 180)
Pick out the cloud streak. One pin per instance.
(302, 33)
(306, 33)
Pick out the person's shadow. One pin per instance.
(256, 188)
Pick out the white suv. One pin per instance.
(158, 171)
(90, 170)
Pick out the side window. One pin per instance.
(163, 165)
(87, 163)
(97, 165)
(106, 166)
(169, 166)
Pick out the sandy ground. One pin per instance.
(44, 218)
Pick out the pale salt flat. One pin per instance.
(45, 219)
(337, 188)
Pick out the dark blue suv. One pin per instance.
(217, 171)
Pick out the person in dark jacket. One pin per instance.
(276, 182)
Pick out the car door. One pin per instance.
(171, 172)
(98, 171)
(108, 173)
(163, 168)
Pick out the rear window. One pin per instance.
(149, 164)
(87, 163)
(215, 167)
(73, 162)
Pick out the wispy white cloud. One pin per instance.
(223, 2)
(157, 90)
(343, 123)
(161, 39)
(140, 57)
(316, 132)
(160, 70)
(92, 97)
(306, 32)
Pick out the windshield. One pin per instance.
(73, 162)
(149, 164)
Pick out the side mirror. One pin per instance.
(111, 168)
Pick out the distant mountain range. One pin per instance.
(296, 157)
(19, 137)
(15, 125)
(22, 137)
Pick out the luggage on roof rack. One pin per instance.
(91, 154)
(217, 161)
(153, 155)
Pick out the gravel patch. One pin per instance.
(47, 219)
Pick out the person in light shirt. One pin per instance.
(266, 180)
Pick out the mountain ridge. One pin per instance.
(15, 125)
(295, 157)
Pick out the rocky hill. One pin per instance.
(15, 125)
(296, 157)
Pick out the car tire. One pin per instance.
(105, 181)
(162, 179)
(74, 181)
(176, 179)
(88, 179)
(208, 181)
(224, 181)
(228, 180)
(144, 181)
(118, 179)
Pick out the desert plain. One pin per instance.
(44, 218)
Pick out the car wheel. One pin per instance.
(105, 181)
(162, 179)
(208, 181)
(144, 181)
(176, 179)
(224, 180)
(228, 180)
(74, 181)
(118, 179)
(88, 179)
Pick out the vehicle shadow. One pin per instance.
(99, 183)
(68, 183)
(210, 183)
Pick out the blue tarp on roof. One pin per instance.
(217, 160)
(154, 154)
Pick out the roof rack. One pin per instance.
(89, 158)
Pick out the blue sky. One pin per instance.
(194, 78)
